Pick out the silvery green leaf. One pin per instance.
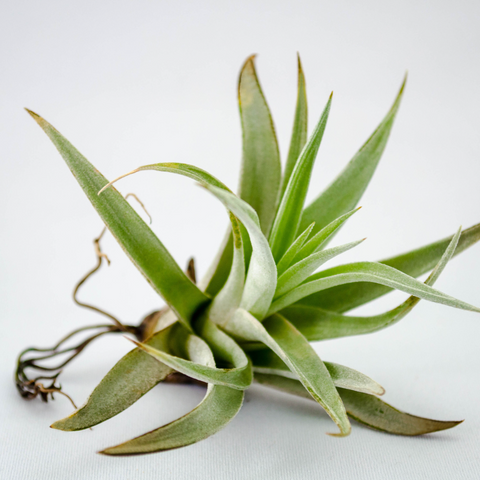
(318, 324)
(346, 190)
(295, 351)
(300, 128)
(228, 299)
(298, 272)
(321, 238)
(292, 251)
(132, 376)
(285, 226)
(181, 342)
(262, 273)
(267, 362)
(414, 263)
(366, 409)
(218, 408)
(367, 272)
(145, 250)
(261, 169)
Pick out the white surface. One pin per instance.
(131, 83)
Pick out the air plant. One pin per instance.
(254, 314)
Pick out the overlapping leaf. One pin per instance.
(295, 351)
(287, 219)
(297, 273)
(218, 408)
(133, 376)
(415, 263)
(347, 189)
(135, 237)
(367, 272)
(318, 324)
(366, 409)
(267, 362)
(239, 377)
(292, 251)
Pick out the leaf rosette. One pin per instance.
(254, 314)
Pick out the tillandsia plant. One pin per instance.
(253, 316)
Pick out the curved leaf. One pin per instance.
(267, 362)
(287, 219)
(367, 272)
(300, 129)
(297, 273)
(414, 263)
(182, 342)
(292, 347)
(347, 189)
(132, 376)
(144, 249)
(366, 409)
(261, 169)
(218, 408)
(230, 296)
(294, 248)
(262, 273)
(318, 324)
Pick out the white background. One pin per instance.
(131, 83)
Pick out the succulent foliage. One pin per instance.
(263, 300)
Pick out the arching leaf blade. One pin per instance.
(229, 297)
(414, 263)
(262, 272)
(261, 169)
(295, 351)
(300, 271)
(268, 362)
(367, 272)
(132, 376)
(181, 341)
(318, 324)
(346, 190)
(366, 409)
(145, 250)
(218, 408)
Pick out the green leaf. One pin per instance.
(133, 376)
(297, 273)
(366, 409)
(230, 296)
(300, 129)
(414, 263)
(367, 272)
(294, 248)
(292, 347)
(320, 239)
(144, 249)
(262, 273)
(261, 169)
(287, 219)
(218, 408)
(267, 362)
(317, 324)
(347, 189)
(181, 342)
